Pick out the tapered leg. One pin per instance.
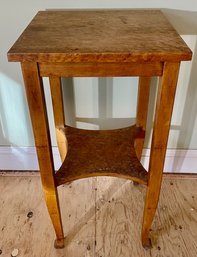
(36, 101)
(58, 110)
(164, 107)
(142, 111)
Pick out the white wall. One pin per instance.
(97, 101)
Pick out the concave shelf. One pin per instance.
(101, 153)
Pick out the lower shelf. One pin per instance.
(101, 153)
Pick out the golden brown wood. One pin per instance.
(58, 110)
(100, 36)
(35, 97)
(101, 69)
(62, 144)
(142, 111)
(100, 43)
(101, 153)
(164, 107)
(57, 100)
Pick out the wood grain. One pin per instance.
(101, 69)
(142, 111)
(163, 113)
(34, 237)
(100, 43)
(101, 153)
(115, 227)
(37, 107)
(118, 219)
(58, 111)
(99, 36)
(57, 100)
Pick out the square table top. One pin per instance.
(99, 36)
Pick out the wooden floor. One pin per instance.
(101, 217)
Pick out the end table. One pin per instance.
(100, 44)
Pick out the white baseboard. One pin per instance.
(177, 160)
(24, 158)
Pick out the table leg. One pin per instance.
(58, 110)
(164, 107)
(142, 111)
(37, 107)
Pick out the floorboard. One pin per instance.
(101, 216)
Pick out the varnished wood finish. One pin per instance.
(164, 107)
(58, 110)
(100, 43)
(101, 69)
(142, 110)
(99, 36)
(101, 153)
(35, 97)
(57, 100)
(62, 143)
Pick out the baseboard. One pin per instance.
(177, 160)
(24, 158)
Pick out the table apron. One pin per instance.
(100, 69)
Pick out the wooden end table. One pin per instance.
(100, 44)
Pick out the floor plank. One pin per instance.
(119, 218)
(175, 226)
(101, 217)
(35, 237)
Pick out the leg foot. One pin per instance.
(146, 243)
(59, 243)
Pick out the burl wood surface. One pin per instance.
(101, 153)
(99, 36)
